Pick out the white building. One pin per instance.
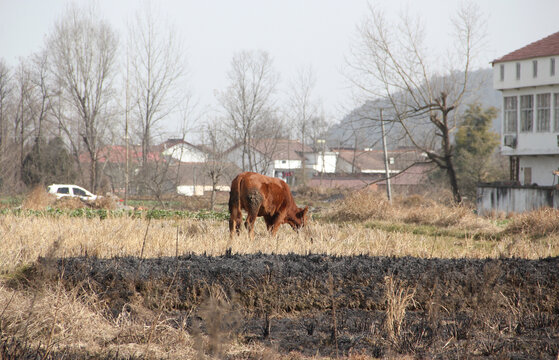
(279, 158)
(528, 79)
(183, 151)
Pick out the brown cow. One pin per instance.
(265, 196)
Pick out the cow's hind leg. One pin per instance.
(254, 200)
(235, 220)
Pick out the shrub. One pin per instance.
(359, 206)
(537, 223)
(38, 199)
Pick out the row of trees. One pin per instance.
(85, 90)
(88, 88)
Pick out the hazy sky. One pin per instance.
(295, 33)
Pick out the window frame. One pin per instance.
(510, 107)
(555, 106)
(527, 113)
(534, 68)
(543, 112)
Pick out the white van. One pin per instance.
(61, 190)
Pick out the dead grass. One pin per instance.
(38, 199)
(536, 224)
(24, 239)
(52, 318)
(415, 209)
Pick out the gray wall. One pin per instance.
(517, 199)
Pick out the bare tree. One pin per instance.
(216, 167)
(5, 92)
(83, 53)
(22, 115)
(391, 62)
(157, 67)
(303, 110)
(248, 101)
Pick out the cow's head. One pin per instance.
(300, 218)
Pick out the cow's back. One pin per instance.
(272, 194)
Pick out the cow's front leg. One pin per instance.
(278, 220)
(249, 224)
(269, 221)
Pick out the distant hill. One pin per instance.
(357, 129)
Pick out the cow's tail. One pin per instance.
(235, 215)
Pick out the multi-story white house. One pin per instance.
(528, 79)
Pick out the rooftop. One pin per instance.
(547, 46)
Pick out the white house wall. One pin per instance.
(198, 190)
(541, 168)
(185, 154)
(287, 164)
(527, 78)
(326, 162)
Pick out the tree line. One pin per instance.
(88, 88)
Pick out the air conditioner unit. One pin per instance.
(510, 141)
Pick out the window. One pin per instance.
(511, 114)
(526, 113)
(552, 66)
(517, 71)
(535, 68)
(79, 192)
(502, 71)
(391, 161)
(543, 102)
(63, 190)
(556, 112)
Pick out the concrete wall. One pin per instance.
(515, 199)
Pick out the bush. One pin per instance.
(359, 206)
(38, 199)
(537, 223)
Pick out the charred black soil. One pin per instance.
(317, 304)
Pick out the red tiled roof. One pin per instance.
(547, 46)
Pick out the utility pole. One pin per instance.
(388, 188)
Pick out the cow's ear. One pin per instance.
(305, 211)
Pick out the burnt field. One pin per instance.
(317, 305)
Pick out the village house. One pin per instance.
(528, 79)
(356, 169)
(281, 158)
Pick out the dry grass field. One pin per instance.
(125, 287)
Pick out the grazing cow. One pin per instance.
(264, 196)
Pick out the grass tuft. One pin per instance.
(535, 224)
